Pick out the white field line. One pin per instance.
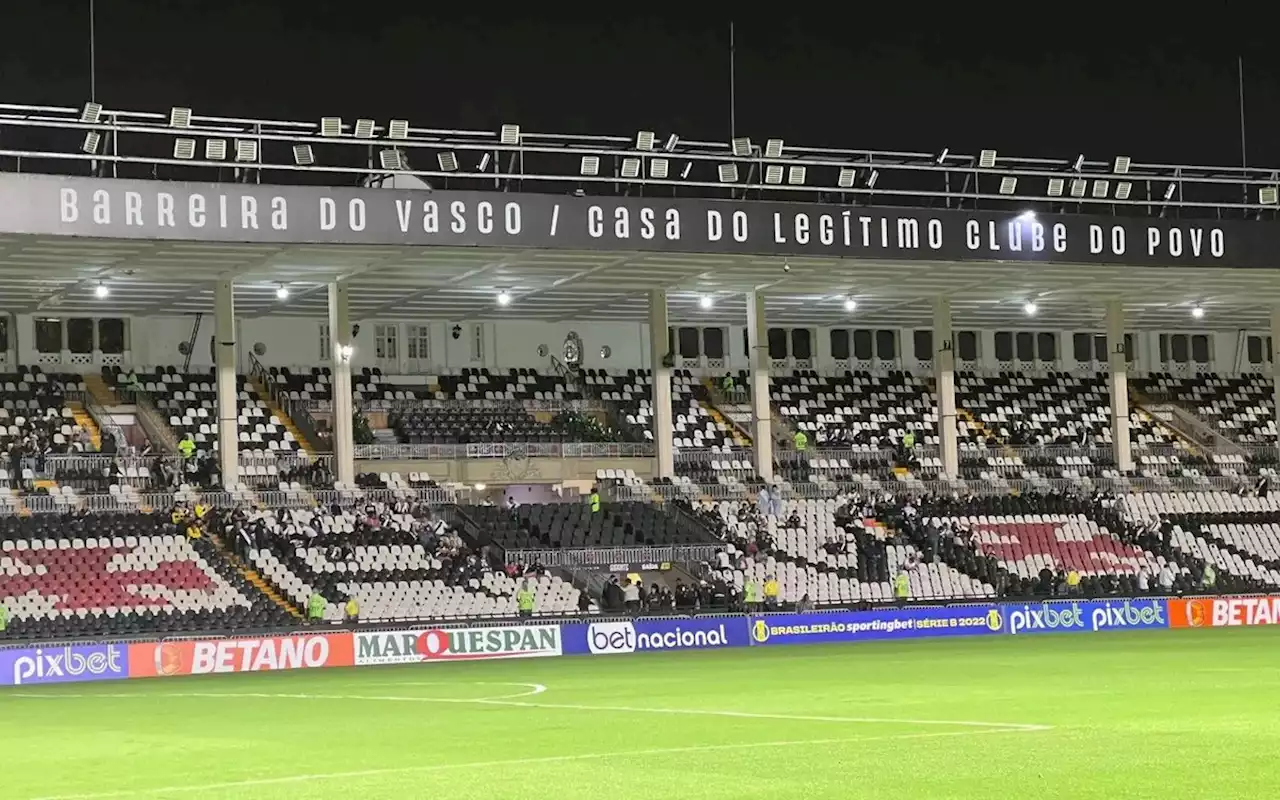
(515, 762)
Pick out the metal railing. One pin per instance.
(607, 556)
(297, 410)
(429, 452)
(406, 404)
(160, 501)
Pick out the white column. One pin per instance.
(344, 465)
(659, 347)
(224, 352)
(944, 370)
(1119, 386)
(759, 363)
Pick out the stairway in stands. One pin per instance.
(274, 408)
(98, 389)
(255, 580)
(731, 417)
(86, 421)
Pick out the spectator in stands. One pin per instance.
(1073, 582)
(771, 593)
(315, 608)
(584, 602)
(804, 604)
(1144, 581)
(525, 599)
(1208, 578)
(4, 619)
(751, 595)
(631, 597)
(1166, 579)
(351, 612)
(513, 508)
(801, 441)
(187, 447)
(901, 588)
(595, 500)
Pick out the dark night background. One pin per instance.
(1029, 80)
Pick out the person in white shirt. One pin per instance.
(1144, 581)
(1166, 579)
(631, 597)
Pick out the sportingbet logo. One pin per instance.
(609, 638)
(68, 664)
(1091, 616)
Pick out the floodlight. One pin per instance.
(773, 148)
(850, 304)
(848, 176)
(728, 173)
(484, 162)
(872, 178)
(364, 128)
(246, 150)
(1008, 185)
(448, 161)
(215, 150)
(1122, 165)
(1030, 308)
(1101, 188)
(303, 155)
(179, 117)
(282, 292)
(1197, 311)
(1123, 190)
(509, 135)
(91, 113)
(942, 157)
(504, 299)
(184, 148)
(630, 167)
(644, 140)
(100, 291)
(796, 175)
(1079, 165)
(773, 174)
(391, 160)
(1169, 192)
(331, 127)
(398, 129)
(672, 142)
(590, 166)
(688, 167)
(987, 159)
(91, 141)
(659, 168)
(1269, 195)
(741, 146)
(1078, 187)
(705, 301)
(1056, 186)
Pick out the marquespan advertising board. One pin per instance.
(165, 210)
(457, 644)
(206, 657)
(1224, 612)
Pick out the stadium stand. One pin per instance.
(573, 525)
(697, 426)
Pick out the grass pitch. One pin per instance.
(1188, 714)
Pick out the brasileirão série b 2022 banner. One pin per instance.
(228, 212)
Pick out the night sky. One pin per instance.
(1029, 79)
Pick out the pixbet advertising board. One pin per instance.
(1087, 615)
(70, 664)
(1223, 612)
(457, 644)
(857, 626)
(617, 637)
(180, 657)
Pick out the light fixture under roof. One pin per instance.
(773, 174)
(1123, 190)
(659, 168)
(303, 155)
(848, 176)
(673, 141)
(1101, 189)
(1197, 311)
(773, 148)
(1078, 187)
(91, 141)
(215, 150)
(590, 166)
(391, 160)
(1008, 184)
(179, 117)
(484, 162)
(1056, 185)
(728, 173)
(645, 140)
(246, 151)
(872, 178)
(398, 129)
(1122, 165)
(364, 128)
(796, 175)
(1030, 308)
(741, 146)
(509, 135)
(1269, 195)
(850, 304)
(184, 149)
(331, 127)
(448, 161)
(91, 113)
(1169, 191)
(504, 298)
(101, 290)
(282, 292)
(705, 302)
(630, 168)
(987, 159)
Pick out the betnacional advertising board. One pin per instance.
(457, 644)
(655, 635)
(1224, 612)
(165, 210)
(63, 664)
(865, 626)
(266, 654)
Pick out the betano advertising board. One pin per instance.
(216, 656)
(1224, 612)
(457, 644)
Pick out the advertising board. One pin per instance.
(858, 626)
(206, 657)
(1223, 612)
(1087, 615)
(616, 637)
(63, 664)
(456, 644)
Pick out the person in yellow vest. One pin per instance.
(901, 588)
(751, 595)
(1209, 578)
(525, 599)
(351, 612)
(200, 511)
(801, 440)
(595, 500)
(187, 447)
(909, 440)
(1073, 582)
(4, 619)
(771, 593)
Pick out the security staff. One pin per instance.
(1210, 577)
(4, 618)
(525, 599)
(771, 592)
(909, 440)
(187, 447)
(352, 611)
(751, 594)
(595, 500)
(315, 607)
(801, 440)
(1073, 582)
(901, 588)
